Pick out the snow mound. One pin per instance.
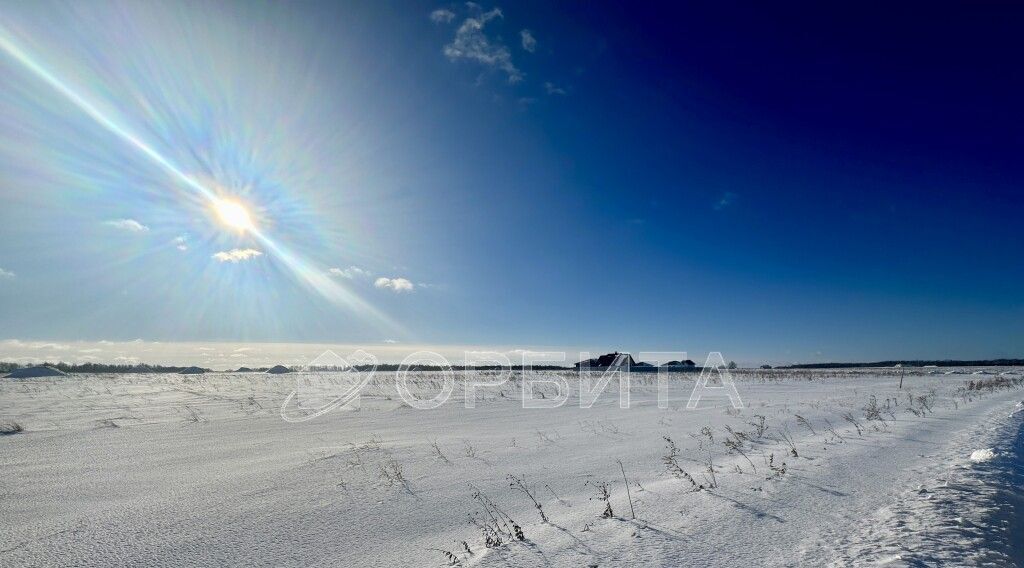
(8, 427)
(985, 455)
(41, 371)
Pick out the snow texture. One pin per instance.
(161, 470)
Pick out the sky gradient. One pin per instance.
(782, 184)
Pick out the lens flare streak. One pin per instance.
(299, 267)
(21, 57)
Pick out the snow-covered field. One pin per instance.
(151, 470)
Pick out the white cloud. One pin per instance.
(471, 43)
(529, 42)
(395, 284)
(727, 199)
(390, 341)
(351, 272)
(33, 344)
(553, 89)
(6, 274)
(181, 242)
(442, 16)
(237, 255)
(130, 225)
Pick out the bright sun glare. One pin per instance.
(233, 214)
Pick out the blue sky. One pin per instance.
(779, 184)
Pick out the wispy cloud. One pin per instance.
(472, 43)
(236, 255)
(352, 272)
(529, 42)
(395, 284)
(553, 89)
(727, 199)
(442, 16)
(130, 225)
(6, 274)
(390, 341)
(181, 242)
(525, 102)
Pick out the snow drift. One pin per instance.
(30, 372)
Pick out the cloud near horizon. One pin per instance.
(237, 255)
(6, 274)
(228, 355)
(130, 225)
(34, 344)
(397, 285)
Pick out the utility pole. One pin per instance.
(900, 365)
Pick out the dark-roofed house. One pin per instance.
(611, 360)
(687, 364)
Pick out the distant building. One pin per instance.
(610, 361)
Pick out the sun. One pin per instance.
(233, 214)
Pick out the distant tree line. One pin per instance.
(7, 367)
(387, 367)
(945, 363)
